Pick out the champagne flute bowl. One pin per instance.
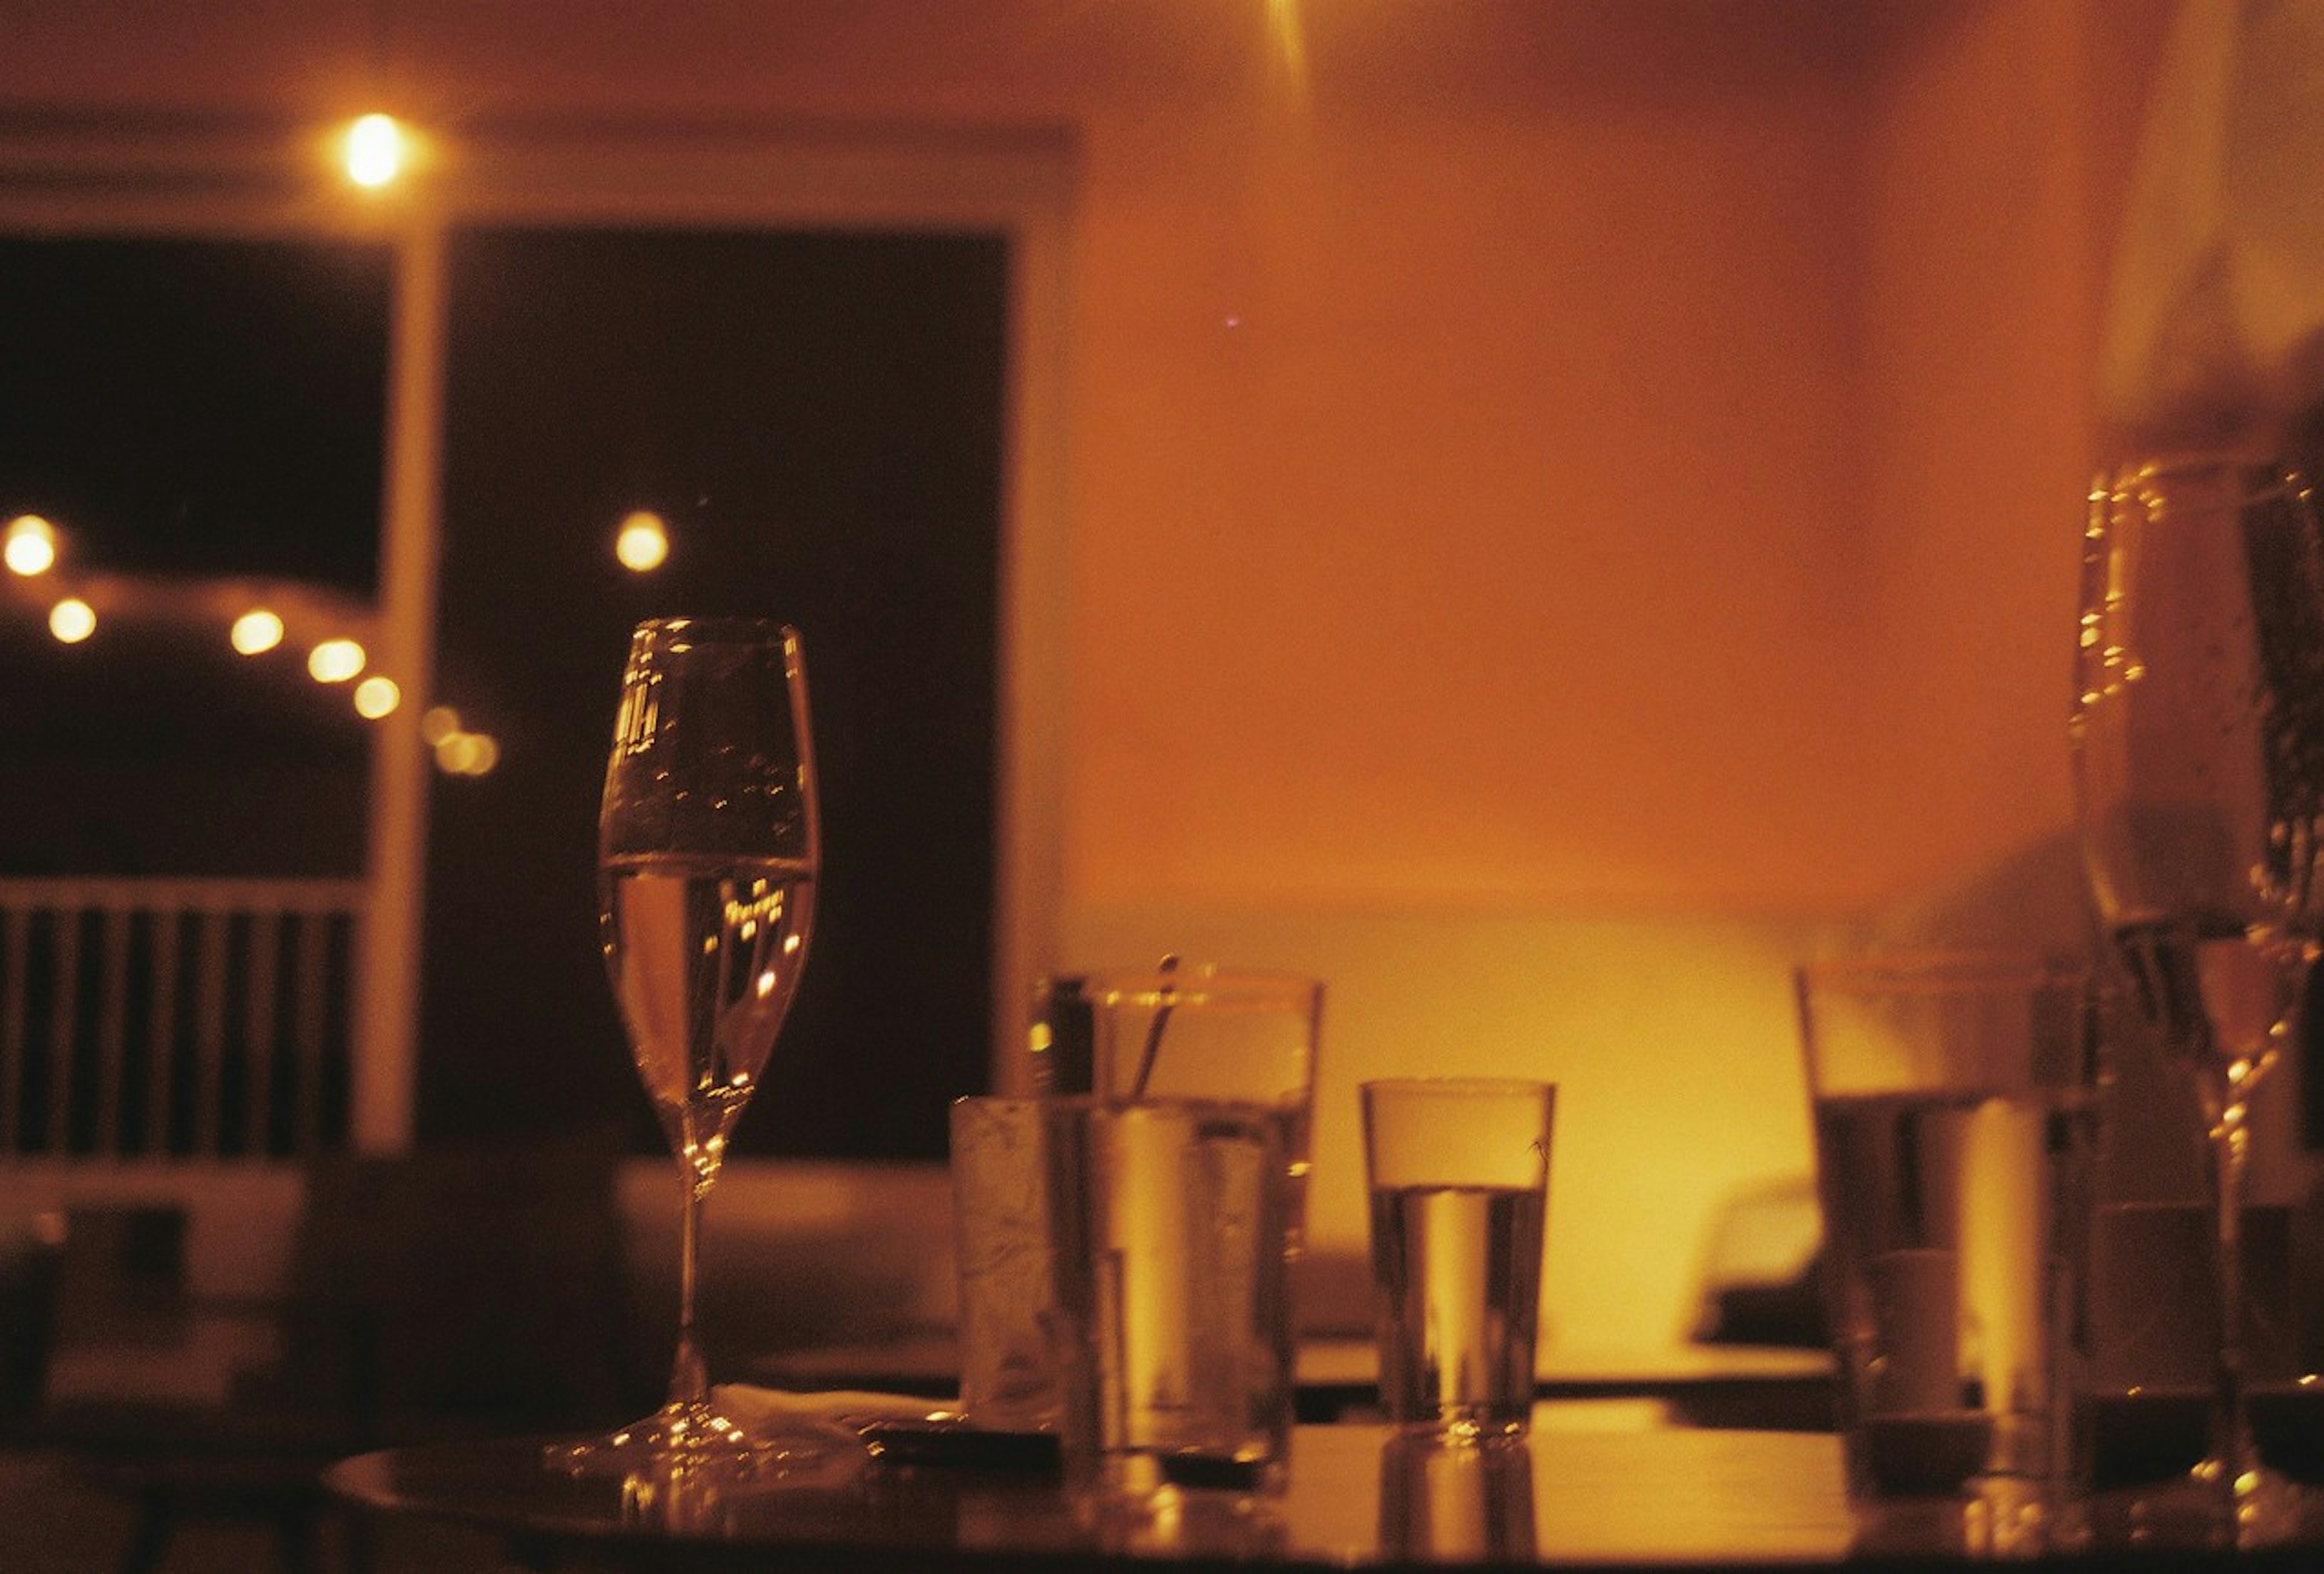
(2198, 738)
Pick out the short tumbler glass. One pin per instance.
(1459, 1175)
(1171, 1330)
(1953, 1095)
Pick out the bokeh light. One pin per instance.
(375, 149)
(257, 632)
(335, 660)
(643, 542)
(31, 545)
(377, 696)
(467, 754)
(72, 620)
(437, 723)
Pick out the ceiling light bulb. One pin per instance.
(32, 545)
(257, 632)
(72, 620)
(643, 542)
(375, 149)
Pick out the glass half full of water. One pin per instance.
(1458, 1169)
(1953, 1098)
(1171, 1328)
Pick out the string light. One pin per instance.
(72, 620)
(31, 546)
(377, 696)
(257, 632)
(469, 754)
(375, 149)
(643, 542)
(335, 660)
(458, 752)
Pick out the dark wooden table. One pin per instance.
(1358, 1498)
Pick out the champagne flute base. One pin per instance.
(2201, 1510)
(701, 1434)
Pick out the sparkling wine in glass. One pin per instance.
(706, 858)
(2198, 762)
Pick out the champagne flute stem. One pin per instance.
(689, 1376)
(2227, 1145)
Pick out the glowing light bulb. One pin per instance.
(255, 633)
(377, 696)
(375, 149)
(643, 542)
(72, 620)
(335, 660)
(31, 546)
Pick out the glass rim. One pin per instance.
(2191, 461)
(717, 626)
(1195, 1104)
(2208, 482)
(1477, 1085)
(1943, 970)
(1191, 981)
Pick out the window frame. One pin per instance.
(127, 176)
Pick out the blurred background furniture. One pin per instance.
(431, 1295)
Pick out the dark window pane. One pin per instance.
(185, 411)
(817, 417)
(198, 407)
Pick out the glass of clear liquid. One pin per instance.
(1952, 1097)
(707, 853)
(1458, 1169)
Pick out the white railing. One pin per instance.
(161, 1019)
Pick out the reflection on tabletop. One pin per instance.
(1356, 1495)
(1778, 1387)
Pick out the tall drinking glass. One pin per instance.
(706, 857)
(2198, 741)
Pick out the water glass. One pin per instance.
(1171, 1331)
(1191, 1031)
(1003, 1253)
(1459, 1175)
(1952, 1096)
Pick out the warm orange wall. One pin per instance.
(1997, 154)
(1489, 556)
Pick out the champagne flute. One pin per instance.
(2198, 739)
(706, 856)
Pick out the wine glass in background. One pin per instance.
(2198, 738)
(706, 857)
